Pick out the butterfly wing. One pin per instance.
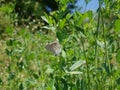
(54, 47)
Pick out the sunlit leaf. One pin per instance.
(77, 64)
(68, 16)
(7, 8)
(118, 56)
(45, 19)
(62, 23)
(63, 53)
(117, 25)
(75, 72)
(9, 30)
(49, 70)
(61, 35)
(90, 14)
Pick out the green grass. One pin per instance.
(26, 64)
(24, 59)
(90, 58)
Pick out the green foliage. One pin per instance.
(117, 25)
(5, 22)
(90, 58)
(28, 8)
(5, 18)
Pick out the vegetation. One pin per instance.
(90, 57)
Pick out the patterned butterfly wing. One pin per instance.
(54, 47)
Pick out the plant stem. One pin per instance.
(96, 36)
(106, 50)
(87, 66)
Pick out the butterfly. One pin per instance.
(54, 47)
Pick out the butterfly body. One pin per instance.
(54, 47)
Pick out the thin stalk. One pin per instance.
(105, 43)
(88, 77)
(96, 36)
(107, 62)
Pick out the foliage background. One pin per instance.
(90, 43)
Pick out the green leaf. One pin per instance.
(7, 8)
(61, 35)
(78, 18)
(21, 87)
(90, 15)
(77, 65)
(1, 81)
(63, 54)
(31, 55)
(62, 23)
(117, 25)
(9, 30)
(10, 42)
(118, 56)
(74, 72)
(118, 81)
(49, 70)
(68, 16)
(45, 19)
(9, 52)
(46, 27)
